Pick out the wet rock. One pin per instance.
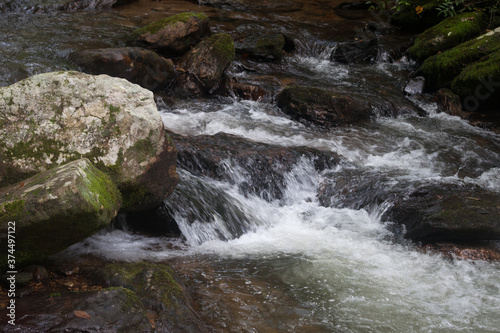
(447, 34)
(248, 91)
(56, 209)
(201, 69)
(262, 48)
(263, 166)
(52, 118)
(158, 290)
(450, 103)
(174, 35)
(93, 4)
(449, 213)
(134, 64)
(360, 51)
(474, 252)
(321, 107)
(111, 310)
(415, 86)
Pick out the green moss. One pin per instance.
(158, 25)
(450, 32)
(442, 68)
(11, 211)
(487, 69)
(100, 191)
(223, 44)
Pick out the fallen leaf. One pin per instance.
(82, 314)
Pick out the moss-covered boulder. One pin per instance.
(447, 213)
(262, 48)
(202, 68)
(55, 209)
(135, 64)
(53, 118)
(174, 35)
(447, 34)
(410, 20)
(471, 69)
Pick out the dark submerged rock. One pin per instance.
(449, 213)
(134, 64)
(262, 48)
(201, 69)
(360, 51)
(174, 35)
(110, 310)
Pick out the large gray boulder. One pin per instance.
(55, 209)
(53, 118)
(174, 35)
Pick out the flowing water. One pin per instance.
(259, 263)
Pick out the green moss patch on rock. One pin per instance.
(56, 209)
(449, 33)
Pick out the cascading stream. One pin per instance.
(289, 258)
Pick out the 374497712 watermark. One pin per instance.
(11, 272)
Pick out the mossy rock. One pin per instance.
(479, 83)
(204, 65)
(441, 69)
(447, 34)
(56, 209)
(408, 19)
(174, 35)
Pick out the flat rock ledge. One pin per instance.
(55, 209)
